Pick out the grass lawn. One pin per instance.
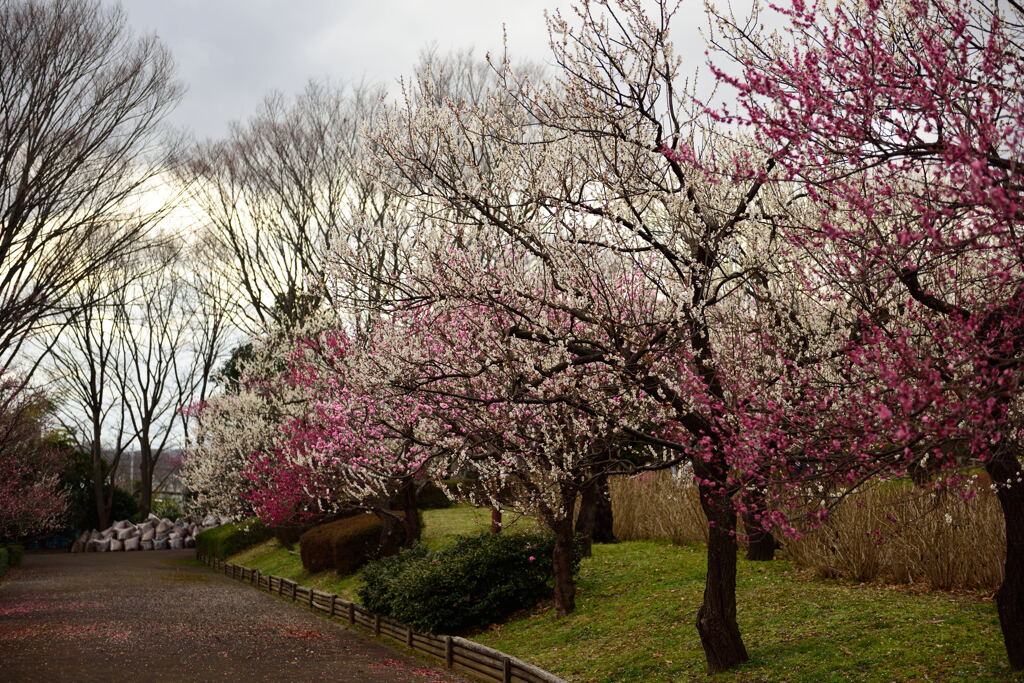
(637, 603)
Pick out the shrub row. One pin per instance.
(228, 539)
(477, 581)
(344, 545)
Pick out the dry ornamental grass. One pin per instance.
(892, 532)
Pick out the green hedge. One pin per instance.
(4, 561)
(15, 554)
(343, 545)
(228, 539)
(432, 497)
(478, 581)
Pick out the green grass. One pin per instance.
(637, 604)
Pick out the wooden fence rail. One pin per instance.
(457, 654)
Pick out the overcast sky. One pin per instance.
(231, 53)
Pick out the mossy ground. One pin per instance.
(637, 603)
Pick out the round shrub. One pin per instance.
(477, 581)
(343, 545)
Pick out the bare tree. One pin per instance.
(163, 366)
(83, 365)
(277, 194)
(81, 100)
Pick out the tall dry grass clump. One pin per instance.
(657, 506)
(893, 532)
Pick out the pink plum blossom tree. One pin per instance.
(903, 125)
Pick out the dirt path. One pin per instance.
(152, 616)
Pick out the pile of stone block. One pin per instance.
(152, 534)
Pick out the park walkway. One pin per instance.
(155, 616)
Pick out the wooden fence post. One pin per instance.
(334, 603)
(408, 636)
(310, 598)
(352, 613)
(449, 652)
(376, 624)
(294, 586)
(506, 670)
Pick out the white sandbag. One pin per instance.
(131, 543)
(116, 545)
(176, 544)
(108, 533)
(148, 535)
(164, 527)
(126, 532)
(146, 545)
(190, 542)
(102, 545)
(160, 544)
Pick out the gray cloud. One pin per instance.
(231, 53)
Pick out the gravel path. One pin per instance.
(152, 616)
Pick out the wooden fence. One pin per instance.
(458, 654)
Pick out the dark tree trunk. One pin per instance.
(411, 523)
(565, 583)
(1005, 470)
(604, 520)
(495, 519)
(594, 521)
(392, 536)
(716, 619)
(102, 510)
(146, 467)
(761, 543)
(586, 518)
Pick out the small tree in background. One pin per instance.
(31, 463)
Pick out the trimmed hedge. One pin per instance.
(343, 545)
(478, 581)
(432, 497)
(15, 554)
(228, 539)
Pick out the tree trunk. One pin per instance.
(586, 518)
(761, 543)
(146, 467)
(565, 583)
(411, 524)
(716, 619)
(392, 536)
(495, 519)
(604, 519)
(1005, 470)
(102, 511)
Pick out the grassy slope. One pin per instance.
(637, 604)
